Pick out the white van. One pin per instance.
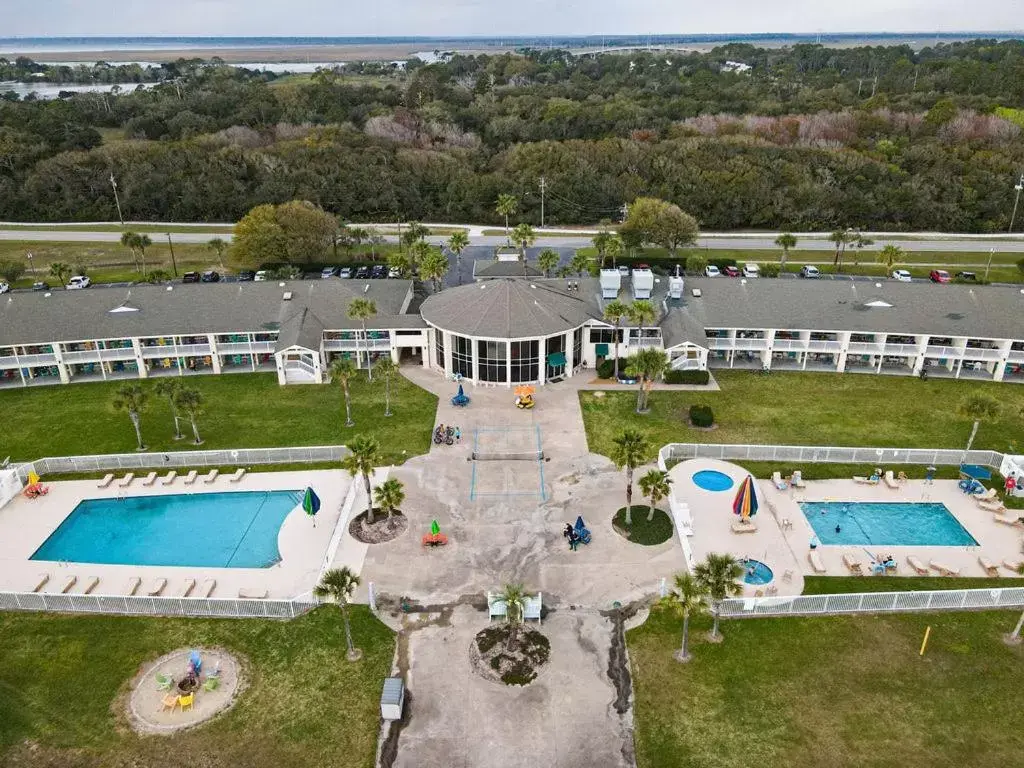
(751, 270)
(77, 282)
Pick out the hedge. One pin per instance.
(701, 415)
(687, 377)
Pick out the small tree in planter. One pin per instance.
(629, 450)
(514, 597)
(389, 495)
(362, 459)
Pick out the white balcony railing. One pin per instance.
(28, 361)
(943, 352)
(751, 344)
(864, 348)
(901, 349)
(335, 345)
(982, 353)
(824, 346)
(789, 345)
(646, 342)
(176, 350)
(244, 347)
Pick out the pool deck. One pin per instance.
(26, 523)
(782, 536)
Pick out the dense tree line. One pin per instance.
(809, 138)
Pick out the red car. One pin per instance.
(731, 271)
(939, 276)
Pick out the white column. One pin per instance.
(426, 349)
(508, 363)
(474, 349)
(65, 377)
(140, 361)
(279, 362)
(211, 339)
(570, 362)
(447, 352)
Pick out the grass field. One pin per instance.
(831, 692)
(161, 229)
(63, 677)
(241, 411)
(811, 409)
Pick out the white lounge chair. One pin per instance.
(873, 480)
(917, 565)
(890, 480)
(991, 506)
(150, 479)
(744, 527)
(1014, 519)
(169, 477)
(814, 558)
(781, 484)
(187, 587)
(944, 570)
(90, 584)
(252, 594)
(207, 589)
(238, 475)
(797, 480)
(190, 478)
(125, 481)
(132, 586)
(156, 587)
(533, 608)
(106, 481)
(496, 608)
(988, 495)
(41, 582)
(1013, 566)
(986, 564)
(69, 582)
(852, 564)
(211, 476)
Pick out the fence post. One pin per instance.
(373, 597)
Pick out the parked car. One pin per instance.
(4, 286)
(712, 271)
(78, 282)
(262, 275)
(809, 271)
(362, 273)
(969, 276)
(731, 271)
(901, 275)
(394, 272)
(210, 276)
(190, 277)
(939, 276)
(751, 270)
(345, 273)
(328, 272)
(246, 276)
(40, 285)
(379, 272)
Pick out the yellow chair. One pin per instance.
(170, 701)
(186, 701)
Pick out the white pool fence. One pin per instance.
(140, 605)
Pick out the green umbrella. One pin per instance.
(311, 504)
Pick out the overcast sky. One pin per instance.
(498, 17)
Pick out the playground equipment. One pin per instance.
(524, 396)
(460, 399)
(435, 538)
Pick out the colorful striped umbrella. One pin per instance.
(745, 504)
(311, 503)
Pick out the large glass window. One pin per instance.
(577, 348)
(524, 361)
(554, 345)
(439, 348)
(462, 356)
(493, 357)
(605, 335)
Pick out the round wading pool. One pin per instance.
(756, 572)
(712, 480)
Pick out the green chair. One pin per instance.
(211, 683)
(164, 682)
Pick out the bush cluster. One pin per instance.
(606, 368)
(701, 415)
(687, 377)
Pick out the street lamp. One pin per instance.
(1016, 202)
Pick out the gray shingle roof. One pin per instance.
(303, 329)
(34, 318)
(493, 268)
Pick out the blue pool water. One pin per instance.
(712, 480)
(756, 572)
(909, 524)
(220, 530)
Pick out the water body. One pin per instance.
(47, 91)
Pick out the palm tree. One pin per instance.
(363, 457)
(362, 309)
(357, 236)
(169, 388)
(642, 313)
(375, 240)
(615, 312)
(506, 206)
(600, 241)
(337, 585)
(132, 399)
(655, 486)
(614, 249)
(646, 365)
(61, 271)
(387, 368)
(389, 495)
(785, 241)
(433, 268)
(548, 260)
(142, 242)
(688, 598)
(190, 400)
(890, 255)
(840, 237)
(629, 450)
(523, 236)
(580, 263)
(218, 246)
(342, 371)
(130, 240)
(1014, 637)
(719, 577)
(514, 597)
(457, 243)
(980, 407)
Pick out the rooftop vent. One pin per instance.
(170, 287)
(366, 288)
(877, 303)
(123, 308)
(287, 296)
(696, 293)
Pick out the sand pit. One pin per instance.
(146, 708)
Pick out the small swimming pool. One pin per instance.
(756, 572)
(908, 524)
(218, 530)
(712, 480)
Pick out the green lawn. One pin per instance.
(830, 692)
(161, 229)
(241, 411)
(63, 678)
(811, 409)
(656, 531)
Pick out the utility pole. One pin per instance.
(117, 200)
(1016, 202)
(991, 253)
(174, 264)
(543, 186)
(624, 210)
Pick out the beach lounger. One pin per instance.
(169, 477)
(991, 506)
(106, 481)
(238, 475)
(852, 564)
(797, 480)
(865, 480)
(211, 476)
(781, 484)
(917, 565)
(986, 564)
(69, 582)
(191, 477)
(156, 587)
(988, 495)
(944, 570)
(125, 481)
(1013, 565)
(132, 586)
(187, 588)
(150, 479)
(744, 528)
(41, 582)
(1013, 519)
(814, 558)
(90, 584)
(207, 589)
(252, 594)
(890, 480)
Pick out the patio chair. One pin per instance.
(207, 589)
(156, 587)
(190, 478)
(164, 682)
(125, 481)
(986, 565)
(988, 495)
(814, 558)
(247, 593)
(169, 477)
(1014, 520)
(187, 588)
(1013, 566)
(781, 484)
(132, 586)
(41, 581)
(873, 480)
(169, 702)
(106, 481)
(944, 570)
(238, 475)
(211, 683)
(797, 480)
(69, 582)
(150, 479)
(853, 564)
(186, 702)
(90, 584)
(991, 506)
(496, 608)
(917, 565)
(211, 476)
(890, 480)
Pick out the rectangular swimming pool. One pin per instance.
(896, 524)
(220, 530)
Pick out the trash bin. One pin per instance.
(392, 698)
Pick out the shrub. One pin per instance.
(695, 262)
(770, 269)
(606, 368)
(687, 377)
(701, 415)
